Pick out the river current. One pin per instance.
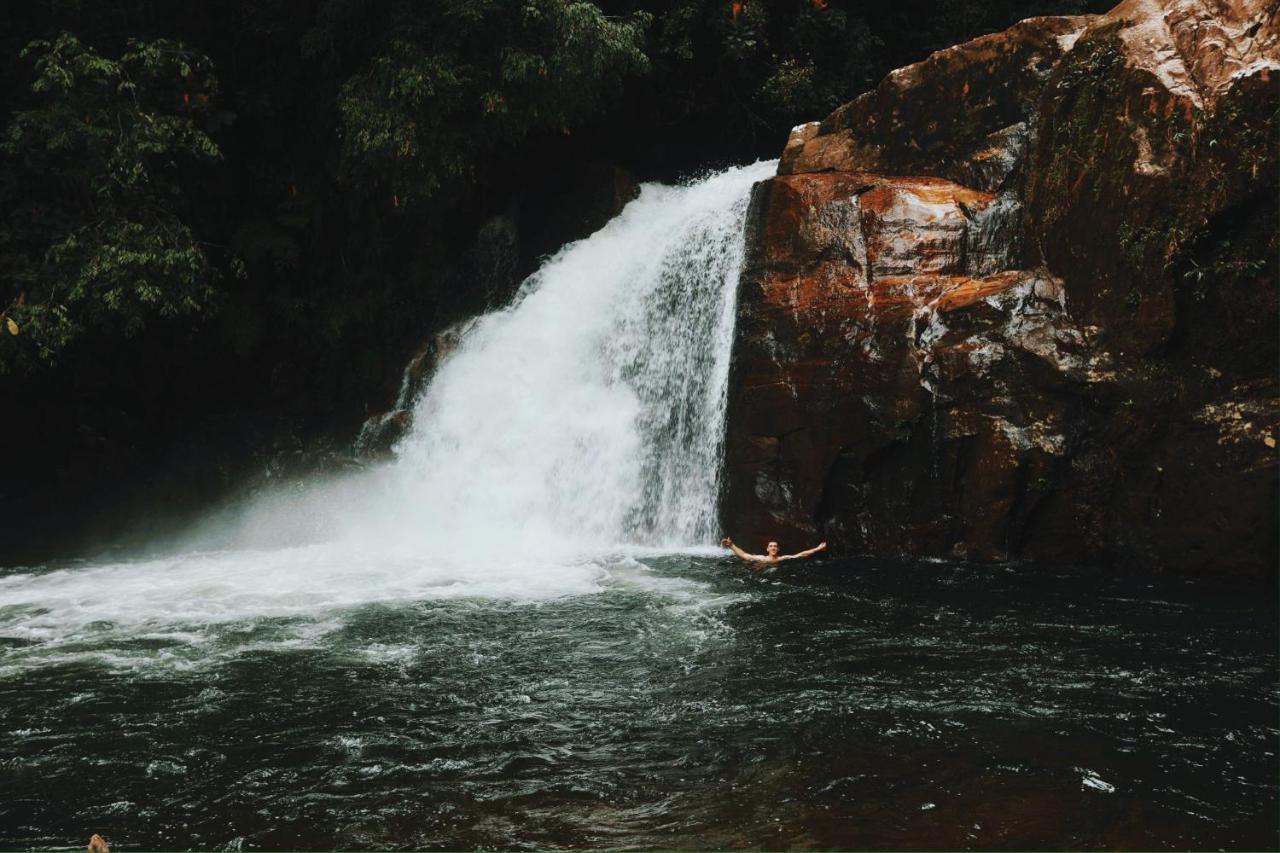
(684, 702)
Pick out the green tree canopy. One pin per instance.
(92, 172)
(461, 81)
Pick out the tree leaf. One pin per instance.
(12, 326)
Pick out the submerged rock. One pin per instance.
(1019, 301)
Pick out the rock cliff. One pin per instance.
(1019, 302)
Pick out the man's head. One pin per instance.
(772, 549)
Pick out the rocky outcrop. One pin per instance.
(380, 432)
(936, 118)
(1019, 301)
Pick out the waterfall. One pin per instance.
(584, 420)
(590, 412)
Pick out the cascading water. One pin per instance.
(591, 412)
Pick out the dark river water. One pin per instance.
(685, 703)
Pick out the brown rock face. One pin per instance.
(380, 432)
(935, 118)
(1019, 302)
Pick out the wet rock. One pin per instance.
(496, 258)
(960, 114)
(380, 432)
(1019, 301)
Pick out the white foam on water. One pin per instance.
(142, 599)
(583, 422)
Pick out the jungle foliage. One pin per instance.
(95, 235)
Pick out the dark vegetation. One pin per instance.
(226, 225)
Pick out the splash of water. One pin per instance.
(590, 413)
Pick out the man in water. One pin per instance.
(759, 562)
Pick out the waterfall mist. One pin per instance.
(591, 412)
(587, 414)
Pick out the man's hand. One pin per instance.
(743, 555)
(822, 546)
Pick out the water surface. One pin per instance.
(672, 701)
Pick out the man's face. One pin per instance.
(772, 549)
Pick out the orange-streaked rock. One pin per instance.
(1019, 301)
(959, 114)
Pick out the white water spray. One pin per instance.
(591, 412)
(584, 420)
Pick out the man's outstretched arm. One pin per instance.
(750, 558)
(821, 546)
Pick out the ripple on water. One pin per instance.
(676, 699)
